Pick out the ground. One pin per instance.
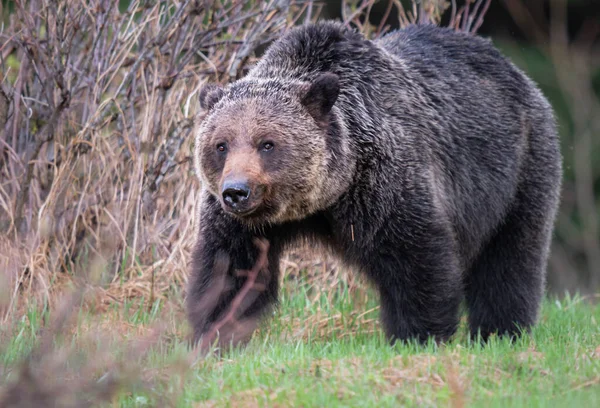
(324, 347)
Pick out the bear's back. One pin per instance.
(457, 58)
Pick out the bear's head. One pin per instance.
(265, 147)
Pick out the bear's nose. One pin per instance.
(236, 194)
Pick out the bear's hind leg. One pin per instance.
(505, 285)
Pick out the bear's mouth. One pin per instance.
(253, 215)
(243, 212)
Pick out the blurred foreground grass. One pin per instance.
(322, 348)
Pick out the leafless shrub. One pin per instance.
(97, 121)
(468, 17)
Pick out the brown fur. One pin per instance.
(255, 122)
(424, 159)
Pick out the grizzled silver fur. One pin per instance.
(424, 159)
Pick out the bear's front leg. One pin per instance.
(420, 287)
(233, 281)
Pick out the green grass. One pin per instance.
(320, 349)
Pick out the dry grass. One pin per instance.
(57, 373)
(77, 362)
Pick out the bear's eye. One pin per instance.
(221, 147)
(266, 146)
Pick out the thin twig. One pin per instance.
(229, 317)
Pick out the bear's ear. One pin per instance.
(321, 95)
(209, 95)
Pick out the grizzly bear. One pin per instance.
(423, 159)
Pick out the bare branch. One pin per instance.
(228, 328)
